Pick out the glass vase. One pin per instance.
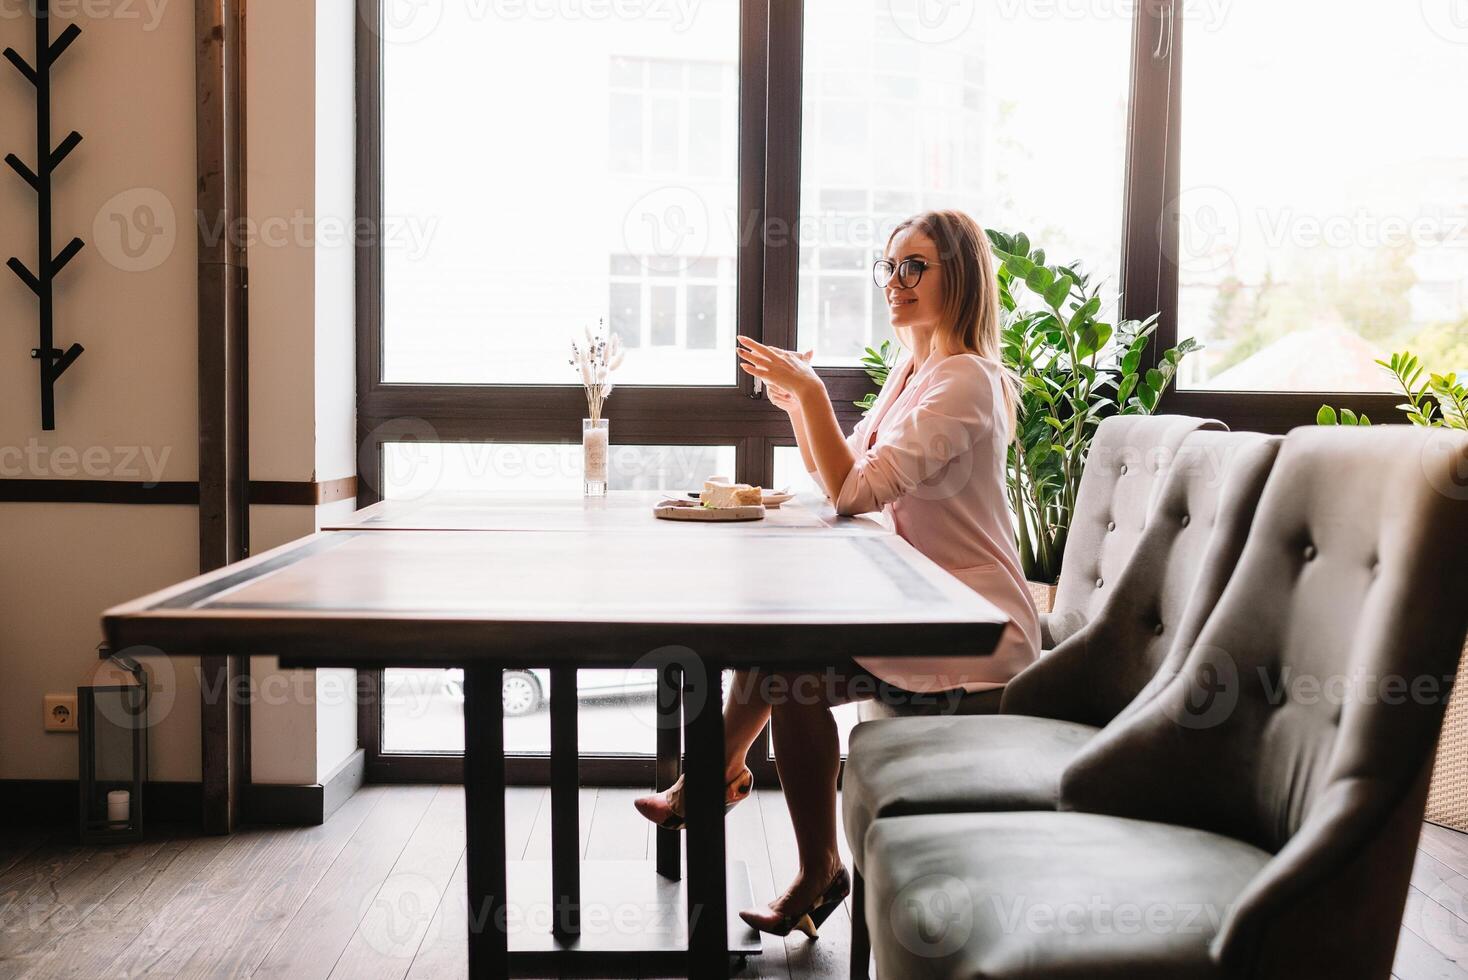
(595, 442)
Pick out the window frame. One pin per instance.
(1152, 232)
(770, 85)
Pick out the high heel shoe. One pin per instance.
(666, 808)
(782, 923)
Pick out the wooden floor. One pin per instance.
(364, 896)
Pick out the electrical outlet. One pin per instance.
(60, 712)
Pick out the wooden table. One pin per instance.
(488, 583)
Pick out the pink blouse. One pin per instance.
(930, 456)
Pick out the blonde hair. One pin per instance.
(970, 292)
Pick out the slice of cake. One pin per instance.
(720, 491)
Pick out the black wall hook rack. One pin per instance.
(53, 361)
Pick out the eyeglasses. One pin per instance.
(908, 272)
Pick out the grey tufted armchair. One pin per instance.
(1257, 816)
(1014, 760)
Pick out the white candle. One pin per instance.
(119, 807)
(595, 444)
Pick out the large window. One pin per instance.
(1324, 193)
(915, 106)
(1284, 182)
(543, 171)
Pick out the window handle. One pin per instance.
(1163, 51)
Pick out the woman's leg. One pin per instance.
(745, 714)
(808, 756)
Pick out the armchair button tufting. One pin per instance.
(1123, 469)
(1158, 629)
(1310, 552)
(1110, 525)
(1100, 583)
(1187, 520)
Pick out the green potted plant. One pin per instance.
(1074, 369)
(1433, 401)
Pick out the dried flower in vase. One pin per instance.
(596, 360)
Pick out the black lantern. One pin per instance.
(112, 714)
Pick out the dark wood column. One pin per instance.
(223, 443)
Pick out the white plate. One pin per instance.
(774, 498)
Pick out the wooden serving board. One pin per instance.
(692, 510)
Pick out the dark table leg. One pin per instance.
(565, 756)
(665, 773)
(484, 806)
(861, 939)
(703, 738)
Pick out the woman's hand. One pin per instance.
(783, 399)
(788, 375)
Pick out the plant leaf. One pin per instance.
(1057, 293)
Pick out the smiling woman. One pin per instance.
(930, 456)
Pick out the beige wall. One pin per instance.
(128, 407)
(127, 86)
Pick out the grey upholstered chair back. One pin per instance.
(1303, 719)
(1183, 559)
(1128, 459)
